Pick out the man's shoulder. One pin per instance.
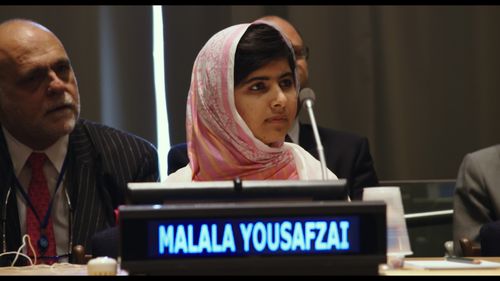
(178, 150)
(490, 155)
(331, 135)
(179, 146)
(487, 151)
(99, 132)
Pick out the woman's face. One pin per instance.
(267, 100)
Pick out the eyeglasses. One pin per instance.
(301, 53)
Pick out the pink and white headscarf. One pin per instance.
(220, 144)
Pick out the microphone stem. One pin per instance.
(321, 153)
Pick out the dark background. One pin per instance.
(421, 82)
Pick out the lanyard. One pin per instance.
(43, 224)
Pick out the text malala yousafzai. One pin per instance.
(244, 237)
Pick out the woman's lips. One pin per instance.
(277, 119)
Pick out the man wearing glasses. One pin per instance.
(347, 155)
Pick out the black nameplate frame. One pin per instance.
(254, 238)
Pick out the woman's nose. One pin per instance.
(279, 98)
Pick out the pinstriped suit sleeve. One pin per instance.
(106, 159)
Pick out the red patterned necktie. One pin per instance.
(38, 192)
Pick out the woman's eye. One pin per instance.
(258, 86)
(286, 83)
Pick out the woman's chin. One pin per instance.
(276, 144)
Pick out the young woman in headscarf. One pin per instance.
(241, 103)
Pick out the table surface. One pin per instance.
(55, 269)
(384, 270)
(78, 269)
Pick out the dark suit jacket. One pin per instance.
(102, 161)
(489, 235)
(347, 155)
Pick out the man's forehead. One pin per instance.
(30, 46)
(19, 34)
(289, 31)
(17, 25)
(25, 45)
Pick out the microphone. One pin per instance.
(307, 98)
